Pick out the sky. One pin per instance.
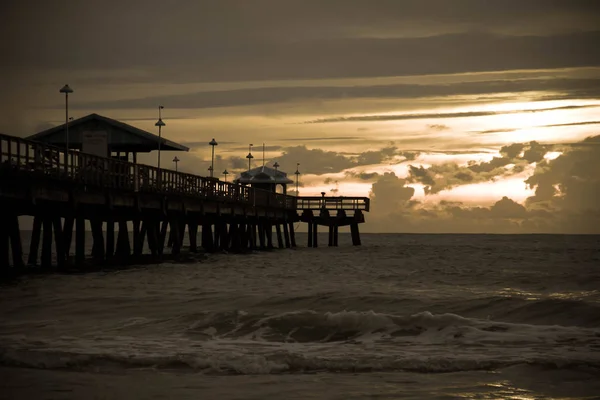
(470, 116)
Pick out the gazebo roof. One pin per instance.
(121, 136)
(263, 174)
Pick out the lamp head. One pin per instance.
(66, 89)
(159, 122)
(213, 142)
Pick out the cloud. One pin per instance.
(280, 94)
(571, 181)
(448, 175)
(566, 200)
(465, 114)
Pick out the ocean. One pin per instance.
(402, 316)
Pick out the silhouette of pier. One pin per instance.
(68, 191)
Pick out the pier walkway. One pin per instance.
(65, 191)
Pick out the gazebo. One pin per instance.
(106, 137)
(264, 177)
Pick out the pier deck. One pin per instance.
(64, 191)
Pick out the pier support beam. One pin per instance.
(279, 237)
(193, 235)
(207, 236)
(110, 238)
(269, 233)
(68, 234)
(79, 241)
(34, 245)
(47, 242)
(315, 234)
(286, 235)
(355, 234)
(4, 256)
(123, 246)
(292, 234)
(61, 254)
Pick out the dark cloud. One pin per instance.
(580, 123)
(438, 127)
(466, 114)
(269, 95)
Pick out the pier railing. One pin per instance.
(35, 159)
(333, 203)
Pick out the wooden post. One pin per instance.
(68, 234)
(261, 234)
(217, 235)
(110, 238)
(310, 234)
(176, 240)
(4, 256)
(355, 234)
(335, 235)
(79, 241)
(193, 234)
(269, 232)
(138, 245)
(243, 235)
(315, 234)
(162, 236)
(35, 240)
(225, 239)
(253, 244)
(123, 246)
(234, 237)
(136, 234)
(152, 232)
(279, 237)
(47, 242)
(292, 234)
(15, 241)
(286, 235)
(207, 236)
(330, 244)
(60, 243)
(98, 238)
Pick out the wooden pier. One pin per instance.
(65, 192)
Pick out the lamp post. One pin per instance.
(66, 90)
(249, 156)
(210, 169)
(213, 143)
(276, 165)
(225, 173)
(176, 160)
(297, 173)
(160, 124)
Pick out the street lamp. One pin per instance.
(213, 143)
(66, 90)
(297, 173)
(225, 173)
(176, 160)
(210, 169)
(276, 165)
(249, 156)
(160, 124)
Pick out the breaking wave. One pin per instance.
(309, 341)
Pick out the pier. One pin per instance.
(68, 191)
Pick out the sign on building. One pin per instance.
(96, 143)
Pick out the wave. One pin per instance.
(308, 341)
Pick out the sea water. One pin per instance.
(403, 316)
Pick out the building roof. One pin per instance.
(122, 136)
(263, 174)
